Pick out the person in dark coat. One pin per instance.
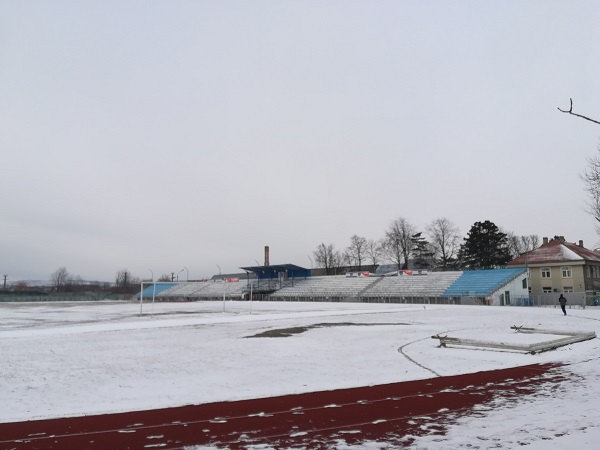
(563, 302)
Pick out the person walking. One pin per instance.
(563, 302)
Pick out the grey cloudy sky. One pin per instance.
(162, 135)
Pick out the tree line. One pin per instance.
(438, 247)
(62, 281)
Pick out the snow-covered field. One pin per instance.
(70, 359)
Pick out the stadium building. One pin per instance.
(289, 282)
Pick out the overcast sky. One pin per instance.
(158, 136)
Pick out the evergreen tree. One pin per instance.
(422, 252)
(486, 247)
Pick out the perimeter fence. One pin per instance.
(93, 297)
(574, 300)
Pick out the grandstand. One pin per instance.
(331, 288)
(498, 287)
(413, 288)
(469, 287)
(481, 282)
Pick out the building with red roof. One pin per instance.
(558, 266)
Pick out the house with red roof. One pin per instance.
(558, 266)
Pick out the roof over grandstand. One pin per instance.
(291, 270)
(556, 251)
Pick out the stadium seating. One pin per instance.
(155, 289)
(437, 287)
(204, 290)
(431, 285)
(481, 282)
(338, 286)
(185, 290)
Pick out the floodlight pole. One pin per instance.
(153, 291)
(187, 278)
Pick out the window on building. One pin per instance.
(566, 271)
(596, 272)
(588, 271)
(524, 283)
(545, 272)
(547, 290)
(567, 288)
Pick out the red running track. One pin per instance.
(391, 413)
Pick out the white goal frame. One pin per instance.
(177, 283)
(154, 283)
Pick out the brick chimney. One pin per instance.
(580, 243)
(545, 240)
(266, 255)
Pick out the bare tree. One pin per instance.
(532, 241)
(59, 279)
(517, 245)
(570, 111)
(125, 282)
(76, 280)
(124, 279)
(445, 238)
(398, 242)
(347, 259)
(321, 255)
(20, 286)
(591, 182)
(374, 251)
(591, 175)
(529, 242)
(324, 256)
(329, 258)
(514, 244)
(338, 261)
(357, 251)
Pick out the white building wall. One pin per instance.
(515, 288)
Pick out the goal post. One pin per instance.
(154, 284)
(225, 289)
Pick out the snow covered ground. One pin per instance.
(69, 359)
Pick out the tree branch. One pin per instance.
(570, 111)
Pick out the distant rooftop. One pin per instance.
(555, 251)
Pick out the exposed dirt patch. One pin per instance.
(287, 332)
